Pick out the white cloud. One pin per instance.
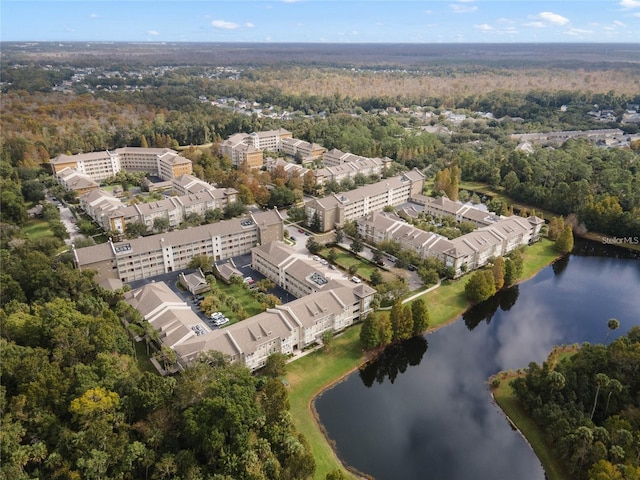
(153, 32)
(457, 8)
(637, 14)
(618, 23)
(534, 24)
(485, 27)
(94, 15)
(578, 32)
(225, 25)
(249, 25)
(630, 3)
(552, 18)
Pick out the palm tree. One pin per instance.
(612, 324)
(601, 381)
(614, 386)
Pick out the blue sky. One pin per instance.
(335, 21)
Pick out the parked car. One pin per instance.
(355, 279)
(221, 321)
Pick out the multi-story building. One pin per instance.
(162, 162)
(75, 181)
(296, 272)
(305, 151)
(443, 207)
(111, 214)
(463, 254)
(248, 148)
(285, 329)
(366, 167)
(336, 209)
(153, 255)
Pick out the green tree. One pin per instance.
(276, 365)
(420, 316)
(332, 255)
(235, 209)
(564, 243)
(327, 340)
(612, 324)
(369, 333)
(385, 329)
(336, 475)
(602, 380)
(357, 245)
(160, 224)
(203, 262)
(480, 286)
(313, 246)
(376, 278)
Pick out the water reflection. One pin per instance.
(505, 299)
(435, 420)
(394, 360)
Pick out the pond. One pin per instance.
(423, 410)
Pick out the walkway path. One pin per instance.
(416, 295)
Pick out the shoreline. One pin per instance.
(370, 355)
(553, 469)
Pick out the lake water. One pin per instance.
(422, 410)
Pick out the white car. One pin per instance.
(221, 321)
(356, 280)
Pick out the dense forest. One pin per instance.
(587, 406)
(76, 404)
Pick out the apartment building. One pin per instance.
(465, 253)
(146, 257)
(443, 207)
(248, 147)
(366, 167)
(113, 215)
(336, 209)
(162, 162)
(285, 328)
(296, 272)
(75, 181)
(305, 151)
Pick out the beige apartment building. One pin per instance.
(330, 305)
(443, 207)
(162, 162)
(337, 208)
(75, 181)
(248, 148)
(463, 254)
(113, 215)
(146, 257)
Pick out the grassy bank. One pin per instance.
(309, 375)
(508, 402)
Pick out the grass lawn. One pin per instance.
(345, 259)
(538, 256)
(35, 229)
(509, 403)
(144, 364)
(242, 295)
(446, 302)
(307, 377)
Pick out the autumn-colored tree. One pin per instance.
(498, 273)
